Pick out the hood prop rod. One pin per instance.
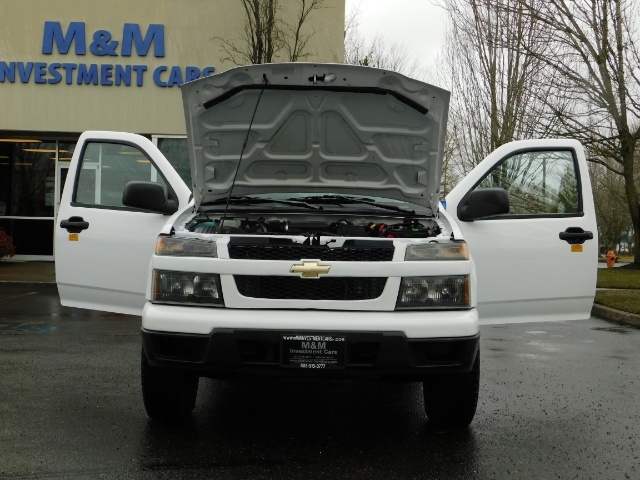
(244, 145)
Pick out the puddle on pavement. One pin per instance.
(622, 358)
(13, 328)
(533, 356)
(622, 330)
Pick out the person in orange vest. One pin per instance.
(611, 259)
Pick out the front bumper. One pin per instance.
(238, 353)
(414, 324)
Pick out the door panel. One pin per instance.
(526, 271)
(103, 248)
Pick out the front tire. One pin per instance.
(450, 400)
(167, 394)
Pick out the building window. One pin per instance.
(28, 186)
(27, 173)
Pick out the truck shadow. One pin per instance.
(370, 429)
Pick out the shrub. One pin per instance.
(7, 248)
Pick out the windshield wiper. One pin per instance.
(343, 199)
(248, 200)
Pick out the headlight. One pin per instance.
(187, 288)
(437, 251)
(186, 247)
(434, 292)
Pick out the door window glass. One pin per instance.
(105, 170)
(175, 150)
(538, 183)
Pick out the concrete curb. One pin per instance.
(615, 316)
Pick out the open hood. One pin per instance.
(317, 128)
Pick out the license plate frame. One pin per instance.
(313, 351)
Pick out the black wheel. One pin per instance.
(450, 400)
(167, 394)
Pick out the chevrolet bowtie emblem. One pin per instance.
(310, 269)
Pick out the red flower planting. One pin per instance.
(7, 248)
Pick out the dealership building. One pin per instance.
(67, 67)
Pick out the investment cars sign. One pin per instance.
(103, 45)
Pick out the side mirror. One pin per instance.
(148, 196)
(482, 203)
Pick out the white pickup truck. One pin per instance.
(312, 241)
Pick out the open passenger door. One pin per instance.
(539, 261)
(102, 247)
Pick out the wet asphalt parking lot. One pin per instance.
(557, 400)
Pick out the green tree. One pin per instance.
(612, 213)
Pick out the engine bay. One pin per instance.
(357, 227)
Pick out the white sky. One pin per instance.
(417, 24)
